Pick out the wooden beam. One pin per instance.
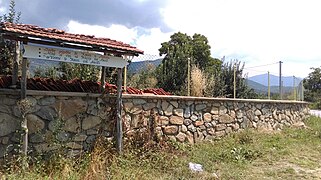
(119, 132)
(103, 78)
(24, 122)
(24, 78)
(15, 68)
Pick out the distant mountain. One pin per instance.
(274, 80)
(138, 66)
(260, 88)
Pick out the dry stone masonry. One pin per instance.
(72, 122)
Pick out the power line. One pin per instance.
(261, 65)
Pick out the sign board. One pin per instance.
(72, 56)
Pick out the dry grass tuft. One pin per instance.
(198, 82)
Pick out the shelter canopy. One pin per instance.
(56, 37)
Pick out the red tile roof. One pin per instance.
(56, 34)
(75, 85)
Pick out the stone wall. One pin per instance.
(72, 121)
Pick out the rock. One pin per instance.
(199, 107)
(8, 124)
(138, 109)
(194, 117)
(5, 109)
(74, 145)
(149, 106)
(225, 119)
(181, 137)
(222, 110)
(187, 112)
(90, 139)
(207, 117)
(174, 103)
(211, 131)
(177, 120)
(5, 140)
(198, 136)
(127, 106)
(214, 110)
(184, 129)
(239, 114)
(170, 130)
(232, 114)
(34, 123)
(80, 137)
(163, 120)
(63, 136)
(164, 105)
(5, 150)
(90, 122)
(37, 138)
(257, 112)
(178, 112)
(47, 101)
(139, 101)
(220, 133)
(41, 148)
(92, 132)
(190, 137)
(71, 107)
(191, 128)
(187, 122)
(71, 125)
(198, 123)
(220, 127)
(208, 125)
(169, 110)
(8, 101)
(47, 113)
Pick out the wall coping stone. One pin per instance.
(133, 96)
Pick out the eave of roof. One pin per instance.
(27, 31)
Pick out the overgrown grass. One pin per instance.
(288, 154)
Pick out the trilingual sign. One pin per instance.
(72, 56)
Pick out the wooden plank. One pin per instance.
(72, 56)
(15, 65)
(24, 78)
(103, 79)
(119, 135)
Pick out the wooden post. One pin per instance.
(23, 96)
(103, 78)
(125, 78)
(269, 87)
(234, 81)
(15, 65)
(188, 76)
(119, 136)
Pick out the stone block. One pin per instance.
(178, 112)
(220, 127)
(71, 125)
(37, 138)
(47, 101)
(226, 119)
(47, 113)
(187, 112)
(90, 122)
(181, 137)
(207, 117)
(177, 120)
(80, 137)
(139, 101)
(8, 124)
(170, 130)
(34, 123)
(70, 107)
(200, 107)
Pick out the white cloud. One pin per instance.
(150, 41)
(256, 32)
(115, 31)
(262, 31)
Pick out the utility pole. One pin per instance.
(269, 88)
(280, 80)
(294, 89)
(234, 94)
(302, 91)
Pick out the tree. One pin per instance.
(7, 47)
(312, 84)
(181, 48)
(224, 86)
(84, 72)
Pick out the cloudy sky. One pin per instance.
(257, 32)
